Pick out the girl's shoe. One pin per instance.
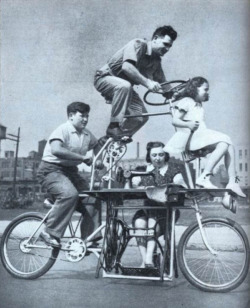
(235, 187)
(204, 181)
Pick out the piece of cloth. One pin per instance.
(72, 140)
(202, 137)
(117, 88)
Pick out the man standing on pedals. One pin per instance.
(137, 63)
(58, 173)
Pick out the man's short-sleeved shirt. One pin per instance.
(72, 140)
(138, 52)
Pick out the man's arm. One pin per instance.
(132, 72)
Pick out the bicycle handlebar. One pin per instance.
(179, 86)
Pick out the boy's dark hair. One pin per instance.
(78, 106)
(155, 144)
(190, 89)
(165, 30)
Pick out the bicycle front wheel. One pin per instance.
(226, 267)
(22, 256)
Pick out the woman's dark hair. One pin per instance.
(155, 144)
(165, 30)
(190, 89)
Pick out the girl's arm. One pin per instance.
(179, 122)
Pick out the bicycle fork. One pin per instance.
(203, 234)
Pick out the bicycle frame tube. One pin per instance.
(102, 226)
(39, 225)
(94, 162)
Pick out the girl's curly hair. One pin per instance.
(190, 89)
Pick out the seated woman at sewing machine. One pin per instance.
(164, 172)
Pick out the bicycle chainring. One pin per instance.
(116, 149)
(75, 249)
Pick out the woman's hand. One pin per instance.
(193, 125)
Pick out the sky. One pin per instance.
(51, 49)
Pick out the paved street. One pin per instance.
(74, 285)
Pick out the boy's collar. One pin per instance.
(72, 129)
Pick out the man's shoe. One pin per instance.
(204, 181)
(116, 132)
(49, 240)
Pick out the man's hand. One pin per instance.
(153, 85)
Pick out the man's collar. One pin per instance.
(162, 170)
(72, 129)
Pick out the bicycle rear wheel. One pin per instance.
(24, 258)
(220, 272)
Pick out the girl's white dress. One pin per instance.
(201, 138)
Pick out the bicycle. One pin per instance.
(204, 259)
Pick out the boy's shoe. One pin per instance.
(204, 181)
(235, 187)
(49, 240)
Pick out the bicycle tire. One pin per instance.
(223, 272)
(18, 259)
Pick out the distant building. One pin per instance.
(26, 170)
(9, 154)
(242, 159)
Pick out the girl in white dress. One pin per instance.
(189, 116)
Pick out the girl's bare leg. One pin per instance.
(220, 150)
(230, 166)
(204, 179)
(230, 162)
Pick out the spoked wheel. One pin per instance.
(22, 256)
(113, 242)
(219, 271)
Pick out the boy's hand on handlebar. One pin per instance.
(153, 85)
(193, 125)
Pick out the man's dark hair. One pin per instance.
(78, 106)
(155, 144)
(165, 30)
(190, 89)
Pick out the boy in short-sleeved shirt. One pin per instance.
(58, 173)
